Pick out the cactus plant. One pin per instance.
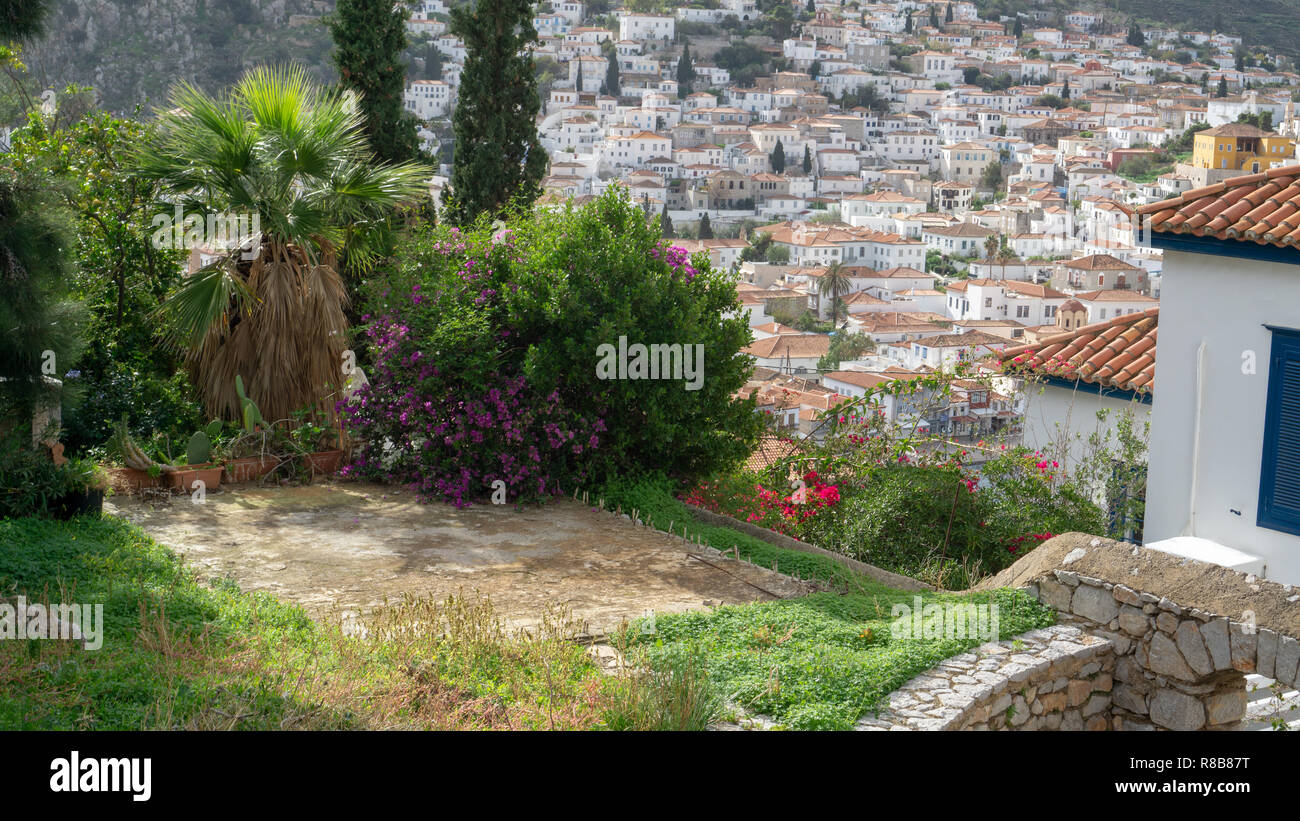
(132, 455)
(199, 449)
(248, 409)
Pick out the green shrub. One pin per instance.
(475, 329)
(113, 389)
(908, 504)
(32, 485)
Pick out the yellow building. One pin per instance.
(1241, 147)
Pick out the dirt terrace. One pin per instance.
(345, 548)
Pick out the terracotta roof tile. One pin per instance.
(1118, 353)
(771, 449)
(1262, 208)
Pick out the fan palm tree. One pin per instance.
(834, 284)
(991, 245)
(280, 150)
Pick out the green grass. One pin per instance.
(816, 663)
(181, 654)
(823, 661)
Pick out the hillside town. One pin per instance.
(738, 365)
(899, 185)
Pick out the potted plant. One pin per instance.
(162, 469)
(250, 455)
(317, 444)
(84, 484)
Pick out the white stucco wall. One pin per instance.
(1061, 420)
(1226, 302)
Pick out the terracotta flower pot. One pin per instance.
(324, 462)
(132, 479)
(249, 468)
(185, 475)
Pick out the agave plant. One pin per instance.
(292, 156)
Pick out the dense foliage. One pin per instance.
(487, 350)
(40, 325)
(369, 37)
(500, 161)
(947, 515)
(126, 369)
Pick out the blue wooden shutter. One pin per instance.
(1279, 481)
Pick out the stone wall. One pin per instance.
(1057, 678)
(1145, 641)
(1183, 633)
(1174, 669)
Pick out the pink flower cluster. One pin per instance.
(771, 509)
(677, 258)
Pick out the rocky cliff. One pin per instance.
(133, 51)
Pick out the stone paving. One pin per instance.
(341, 550)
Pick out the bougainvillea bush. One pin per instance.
(932, 517)
(485, 346)
(947, 515)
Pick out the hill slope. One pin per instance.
(132, 51)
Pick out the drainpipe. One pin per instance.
(1189, 529)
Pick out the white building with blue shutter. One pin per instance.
(1224, 470)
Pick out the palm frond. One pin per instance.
(203, 300)
(295, 155)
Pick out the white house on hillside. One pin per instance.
(1225, 449)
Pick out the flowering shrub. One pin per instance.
(929, 512)
(484, 350)
(745, 497)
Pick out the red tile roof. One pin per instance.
(1262, 208)
(1100, 262)
(1118, 353)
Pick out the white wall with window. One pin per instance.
(1226, 429)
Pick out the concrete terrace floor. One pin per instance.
(339, 549)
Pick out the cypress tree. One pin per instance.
(807, 160)
(778, 158)
(947, 15)
(1018, 30)
(1135, 35)
(934, 18)
(369, 36)
(498, 159)
(665, 223)
(685, 71)
(611, 76)
(1065, 89)
(706, 230)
